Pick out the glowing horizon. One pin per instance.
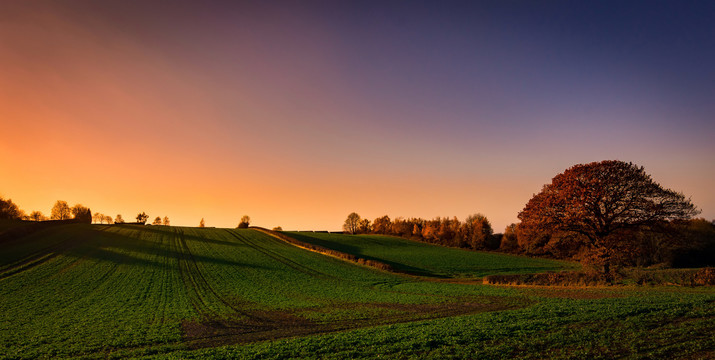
(298, 114)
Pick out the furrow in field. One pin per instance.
(205, 298)
(280, 258)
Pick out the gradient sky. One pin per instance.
(300, 112)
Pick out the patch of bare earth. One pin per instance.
(269, 325)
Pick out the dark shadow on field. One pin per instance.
(353, 250)
(170, 230)
(270, 325)
(83, 241)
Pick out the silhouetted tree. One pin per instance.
(202, 223)
(352, 223)
(142, 217)
(82, 214)
(166, 221)
(598, 204)
(108, 219)
(97, 217)
(9, 210)
(61, 211)
(245, 221)
(118, 219)
(157, 221)
(277, 228)
(37, 216)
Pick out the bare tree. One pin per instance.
(157, 221)
(166, 221)
(107, 218)
(119, 219)
(352, 223)
(61, 211)
(37, 216)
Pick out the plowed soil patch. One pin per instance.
(278, 324)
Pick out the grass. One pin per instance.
(657, 323)
(431, 260)
(77, 290)
(97, 291)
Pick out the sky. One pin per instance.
(297, 113)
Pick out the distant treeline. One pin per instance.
(687, 243)
(474, 233)
(60, 211)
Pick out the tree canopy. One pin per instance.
(142, 217)
(61, 211)
(245, 221)
(597, 202)
(9, 210)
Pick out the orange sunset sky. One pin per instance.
(299, 113)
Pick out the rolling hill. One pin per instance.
(100, 291)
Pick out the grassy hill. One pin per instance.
(430, 260)
(99, 291)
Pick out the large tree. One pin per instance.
(598, 204)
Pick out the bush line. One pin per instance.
(682, 277)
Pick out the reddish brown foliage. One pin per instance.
(548, 279)
(704, 276)
(595, 207)
(474, 233)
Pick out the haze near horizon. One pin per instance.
(300, 113)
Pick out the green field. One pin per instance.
(430, 260)
(98, 291)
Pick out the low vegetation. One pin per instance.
(428, 260)
(107, 291)
(77, 290)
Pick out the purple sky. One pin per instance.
(298, 113)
